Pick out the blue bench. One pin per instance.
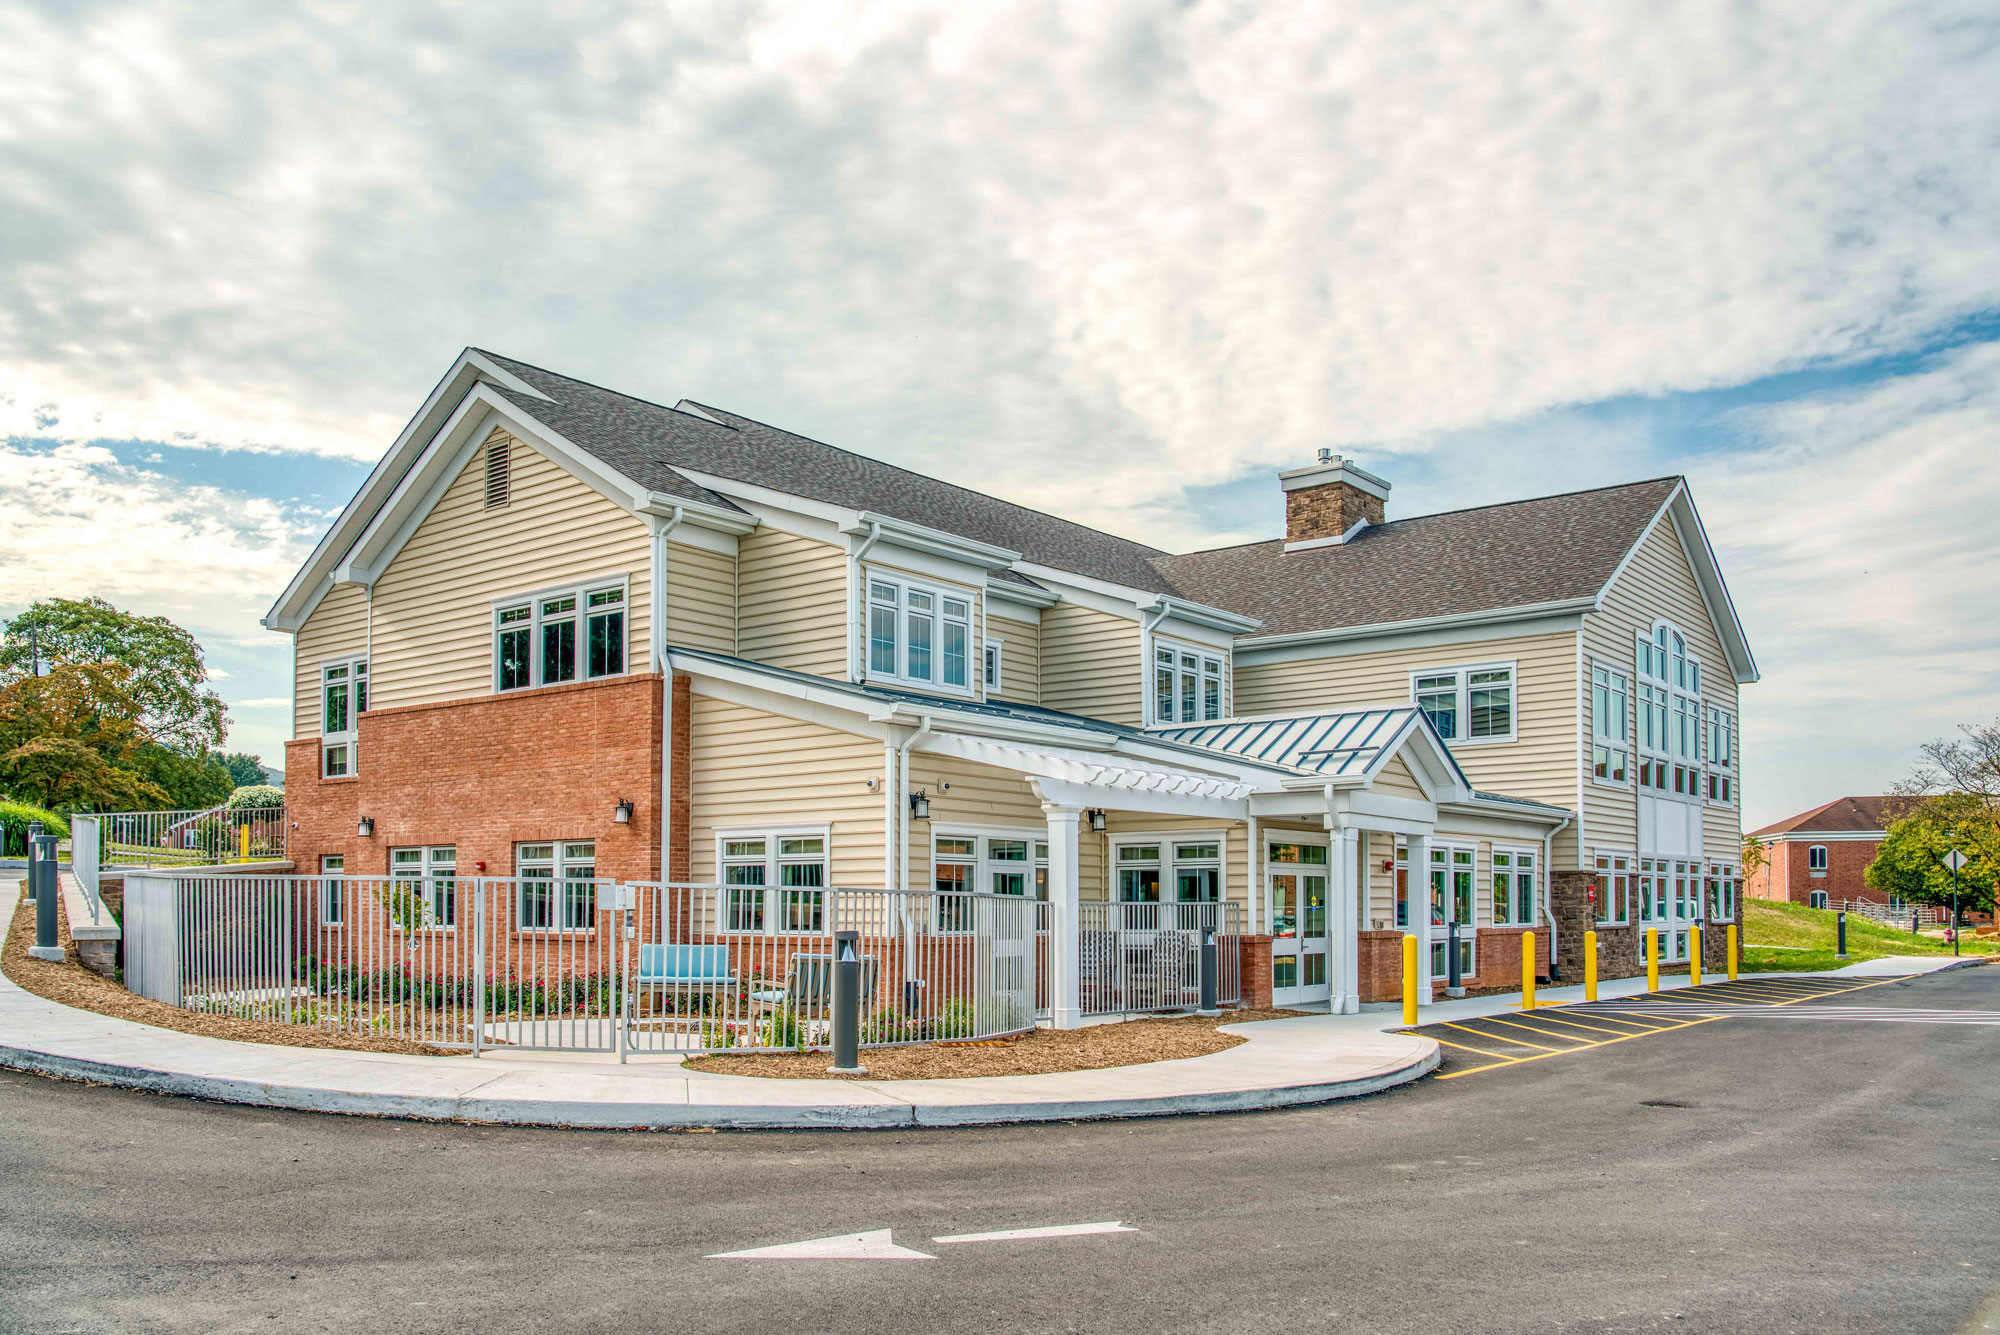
(684, 966)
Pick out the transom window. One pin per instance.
(994, 864)
(774, 882)
(558, 886)
(1514, 888)
(430, 877)
(557, 637)
(1468, 704)
(1183, 871)
(1610, 722)
(919, 633)
(1614, 888)
(343, 698)
(1187, 683)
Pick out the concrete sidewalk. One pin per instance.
(1284, 1063)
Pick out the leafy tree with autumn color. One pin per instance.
(1954, 805)
(73, 739)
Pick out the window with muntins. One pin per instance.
(1672, 720)
(1610, 722)
(1514, 888)
(558, 886)
(1187, 683)
(964, 863)
(1614, 888)
(426, 880)
(919, 634)
(1816, 859)
(563, 636)
(332, 894)
(1468, 704)
(1721, 756)
(343, 691)
(774, 882)
(990, 664)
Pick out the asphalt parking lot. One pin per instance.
(1747, 1173)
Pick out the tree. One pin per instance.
(1755, 855)
(169, 677)
(188, 781)
(1910, 863)
(76, 737)
(247, 770)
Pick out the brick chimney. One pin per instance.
(1324, 502)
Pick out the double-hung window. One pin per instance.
(1614, 888)
(1173, 871)
(343, 696)
(559, 636)
(1816, 860)
(1468, 704)
(964, 863)
(1514, 888)
(1672, 721)
(774, 882)
(426, 881)
(1187, 683)
(332, 867)
(1610, 715)
(1721, 756)
(919, 634)
(558, 886)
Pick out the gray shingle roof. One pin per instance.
(648, 443)
(1520, 554)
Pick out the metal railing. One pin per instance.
(211, 836)
(583, 964)
(1147, 957)
(1892, 915)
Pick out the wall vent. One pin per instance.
(499, 452)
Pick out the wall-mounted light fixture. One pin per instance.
(920, 805)
(622, 813)
(1096, 820)
(365, 827)
(1388, 864)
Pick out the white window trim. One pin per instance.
(425, 876)
(351, 738)
(938, 590)
(558, 863)
(1644, 643)
(1468, 931)
(581, 591)
(995, 646)
(984, 866)
(773, 904)
(333, 887)
(1631, 883)
(1826, 860)
(1710, 769)
(1204, 655)
(1170, 862)
(1630, 744)
(1464, 672)
(1515, 851)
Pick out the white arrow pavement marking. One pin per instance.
(1052, 1231)
(873, 1245)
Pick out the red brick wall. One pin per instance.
(1381, 966)
(1787, 874)
(488, 773)
(1255, 960)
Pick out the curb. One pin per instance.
(664, 1117)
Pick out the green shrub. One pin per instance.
(954, 1020)
(782, 1028)
(255, 795)
(885, 1026)
(14, 818)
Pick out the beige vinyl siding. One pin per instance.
(1658, 583)
(1090, 664)
(750, 769)
(980, 795)
(1020, 659)
(433, 634)
(791, 608)
(1234, 836)
(701, 599)
(1396, 780)
(1541, 764)
(337, 628)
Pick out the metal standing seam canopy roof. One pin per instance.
(1334, 745)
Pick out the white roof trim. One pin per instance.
(1369, 631)
(1094, 769)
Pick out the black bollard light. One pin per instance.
(847, 1005)
(42, 876)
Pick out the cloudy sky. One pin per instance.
(1117, 260)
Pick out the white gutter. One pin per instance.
(903, 804)
(1548, 897)
(857, 618)
(658, 620)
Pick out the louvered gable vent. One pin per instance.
(499, 459)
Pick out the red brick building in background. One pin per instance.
(1817, 857)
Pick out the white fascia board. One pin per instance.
(1063, 793)
(1437, 637)
(828, 710)
(771, 506)
(1457, 819)
(292, 607)
(1210, 618)
(1538, 814)
(1016, 603)
(1714, 592)
(700, 514)
(1489, 617)
(935, 542)
(1385, 807)
(1118, 599)
(1820, 836)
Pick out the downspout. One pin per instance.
(857, 620)
(1146, 629)
(658, 611)
(1549, 899)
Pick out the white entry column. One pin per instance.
(1419, 901)
(1346, 857)
(1065, 922)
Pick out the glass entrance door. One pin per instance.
(1453, 900)
(1297, 896)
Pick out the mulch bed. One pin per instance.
(73, 985)
(1040, 1052)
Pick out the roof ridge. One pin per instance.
(602, 389)
(942, 482)
(1464, 510)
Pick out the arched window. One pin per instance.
(1816, 859)
(1672, 722)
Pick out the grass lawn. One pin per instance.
(1791, 936)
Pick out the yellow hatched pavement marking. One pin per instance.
(1463, 1048)
(1502, 1038)
(1517, 1061)
(1536, 1029)
(1557, 1017)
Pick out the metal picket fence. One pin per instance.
(1146, 957)
(190, 838)
(584, 965)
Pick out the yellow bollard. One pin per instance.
(1590, 966)
(1733, 964)
(1409, 980)
(1527, 971)
(244, 842)
(1694, 956)
(1652, 959)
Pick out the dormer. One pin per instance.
(1330, 502)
